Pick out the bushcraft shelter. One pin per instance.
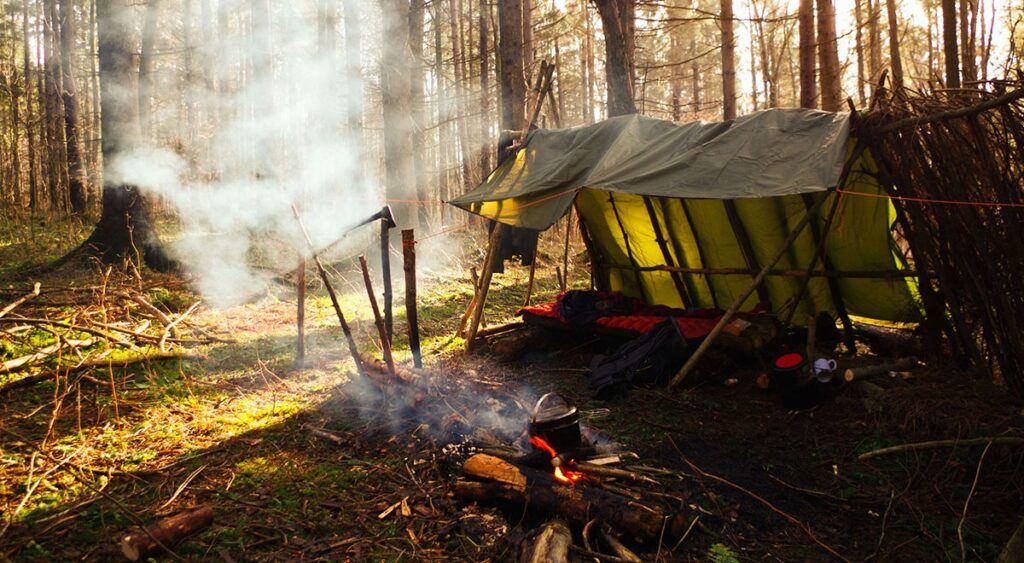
(686, 214)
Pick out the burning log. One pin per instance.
(551, 545)
(165, 533)
(544, 493)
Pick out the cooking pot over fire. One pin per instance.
(556, 422)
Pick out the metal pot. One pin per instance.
(556, 422)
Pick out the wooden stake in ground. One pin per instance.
(385, 272)
(409, 265)
(300, 311)
(352, 348)
(167, 532)
(727, 316)
(385, 343)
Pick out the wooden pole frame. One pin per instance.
(385, 270)
(349, 339)
(385, 342)
(485, 284)
(625, 242)
(677, 279)
(809, 215)
(746, 248)
(411, 314)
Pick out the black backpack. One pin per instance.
(646, 361)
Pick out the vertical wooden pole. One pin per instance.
(385, 268)
(485, 285)
(811, 214)
(529, 284)
(565, 252)
(300, 312)
(385, 344)
(409, 265)
(812, 336)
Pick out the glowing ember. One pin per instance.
(563, 476)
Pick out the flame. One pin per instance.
(539, 442)
(568, 476)
(563, 476)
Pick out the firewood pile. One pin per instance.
(55, 332)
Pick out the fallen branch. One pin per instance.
(42, 353)
(551, 544)
(934, 444)
(20, 300)
(100, 362)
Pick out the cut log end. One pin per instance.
(138, 544)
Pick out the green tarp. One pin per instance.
(635, 178)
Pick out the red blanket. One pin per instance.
(697, 325)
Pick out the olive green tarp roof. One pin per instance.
(634, 177)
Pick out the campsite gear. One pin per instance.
(786, 371)
(628, 173)
(580, 307)
(556, 422)
(646, 361)
(824, 369)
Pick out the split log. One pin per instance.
(541, 493)
(165, 533)
(865, 372)
(551, 544)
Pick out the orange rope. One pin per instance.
(936, 201)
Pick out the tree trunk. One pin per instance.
(895, 62)
(124, 230)
(513, 87)
(859, 36)
(54, 107)
(33, 186)
(146, 69)
(828, 56)
(76, 173)
(416, 96)
(808, 65)
(949, 49)
(527, 38)
(874, 40)
(458, 64)
(16, 91)
(398, 127)
(485, 108)
(617, 17)
(966, 49)
(588, 67)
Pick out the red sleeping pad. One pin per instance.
(693, 325)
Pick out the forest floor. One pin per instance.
(84, 460)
